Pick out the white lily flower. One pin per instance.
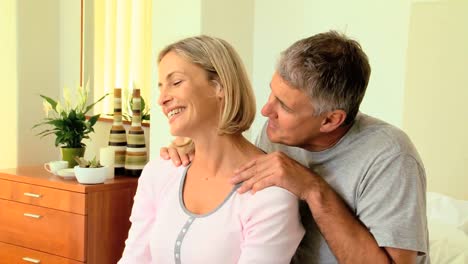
(67, 98)
(47, 107)
(83, 97)
(59, 108)
(80, 98)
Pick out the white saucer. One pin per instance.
(66, 173)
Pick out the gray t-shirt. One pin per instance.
(379, 174)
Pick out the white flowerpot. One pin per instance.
(91, 175)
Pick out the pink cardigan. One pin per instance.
(260, 228)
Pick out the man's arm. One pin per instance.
(349, 239)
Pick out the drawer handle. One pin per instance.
(31, 260)
(32, 215)
(34, 195)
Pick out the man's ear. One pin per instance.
(332, 120)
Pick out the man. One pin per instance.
(361, 180)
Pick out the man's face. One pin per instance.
(290, 113)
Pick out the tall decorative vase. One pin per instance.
(69, 154)
(117, 137)
(136, 156)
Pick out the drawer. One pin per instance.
(48, 230)
(10, 254)
(43, 196)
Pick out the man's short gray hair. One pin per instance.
(331, 68)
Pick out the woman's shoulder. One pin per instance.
(162, 166)
(276, 194)
(268, 198)
(270, 209)
(159, 172)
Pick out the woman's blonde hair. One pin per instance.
(223, 65)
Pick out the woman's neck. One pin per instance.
(218, 156)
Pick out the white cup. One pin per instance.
(55, 166)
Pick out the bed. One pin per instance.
(448, 229)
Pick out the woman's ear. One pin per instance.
(219, 90)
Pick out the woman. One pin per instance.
(193, 214)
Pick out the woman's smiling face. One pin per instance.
(188, 98)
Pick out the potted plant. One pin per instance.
(90, 171)
(69, 123)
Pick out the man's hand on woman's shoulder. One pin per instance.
(181, 151)
(276, 169)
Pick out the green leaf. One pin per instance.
(126, 117)
(92, 120)
(58, 140)
(51, 101)
(91, 105)
(143, 105)
(72, 114)
(47, 131)
(40, 124)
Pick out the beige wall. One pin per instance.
(232, 21)
(30, 51)
(436, 93)
(168, 28)
(8, 76)
(69, 42)
(38, 73)
(372, 23)
(40, 55)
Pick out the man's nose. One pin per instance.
(267, 109)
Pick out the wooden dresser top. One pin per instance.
(37, 175)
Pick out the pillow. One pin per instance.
(448, 229)
(447, 244)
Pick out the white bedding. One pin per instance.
(448, 229)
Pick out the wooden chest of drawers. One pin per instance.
(46, 219)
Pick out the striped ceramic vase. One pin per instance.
(136, 156)
(118, 138)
